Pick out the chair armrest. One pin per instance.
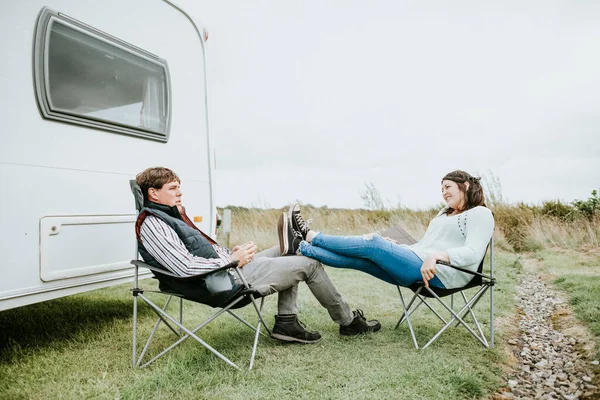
(191, 278)
(464, 270)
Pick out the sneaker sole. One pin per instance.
(291, 339)
(282, 231)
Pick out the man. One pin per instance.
(168, 237)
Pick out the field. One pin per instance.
(80, 347)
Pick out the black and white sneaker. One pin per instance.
(289, 240)
(299, 225)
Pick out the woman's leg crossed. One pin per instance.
(339, 261)
(402, 264)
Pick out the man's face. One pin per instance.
(168, 195)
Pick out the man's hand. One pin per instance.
(243, 253)
(235, 248)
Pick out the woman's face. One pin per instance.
(452, 195)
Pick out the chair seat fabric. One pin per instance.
(476, 281)
(201, 296)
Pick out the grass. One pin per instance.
(80, 346)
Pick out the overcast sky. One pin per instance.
(311, 100)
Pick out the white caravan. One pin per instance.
(93, 92)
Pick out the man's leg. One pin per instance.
(270, 273)
(286, 299)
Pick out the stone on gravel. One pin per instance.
(559, 371)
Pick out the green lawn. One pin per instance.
(80, 347)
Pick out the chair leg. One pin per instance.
(135, 288)
(260, 316)
(248, 324)
(187, 336)
(476, 298)
(492, 316)
(410, 303)
(456, 316)
(433, 311)
(257, 334)
(190, 333)
(180, 314)
(160, 317)
(422, 300)
(242, 320)
(167, 319)
(156, 325)
(134, 355)
(473, 315)
(407, 316)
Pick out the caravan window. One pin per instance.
(87, 77)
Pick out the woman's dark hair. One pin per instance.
(473, 195)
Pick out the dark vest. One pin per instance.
(196, 242)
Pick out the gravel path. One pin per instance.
(548, 365)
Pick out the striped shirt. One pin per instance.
(162, 242)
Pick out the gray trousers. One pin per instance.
(269, 272)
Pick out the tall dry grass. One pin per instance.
(260, 225)
(580, 235)
(531, 228)
(519, 227)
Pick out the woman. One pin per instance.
(459, 235)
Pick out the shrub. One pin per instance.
(558, 209)
(514, 222)
(588, 208)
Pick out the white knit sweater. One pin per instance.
(464, 236)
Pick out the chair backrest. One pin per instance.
(137, 194)
(191, 288)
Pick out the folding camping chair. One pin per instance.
(239, 296)
(422, 293)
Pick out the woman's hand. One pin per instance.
(428, 269)
(243, 253)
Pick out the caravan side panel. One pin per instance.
(66, 210)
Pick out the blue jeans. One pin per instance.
(375, 256)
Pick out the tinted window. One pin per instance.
(87, 77)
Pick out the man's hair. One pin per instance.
(155, 177)
(473, 195)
